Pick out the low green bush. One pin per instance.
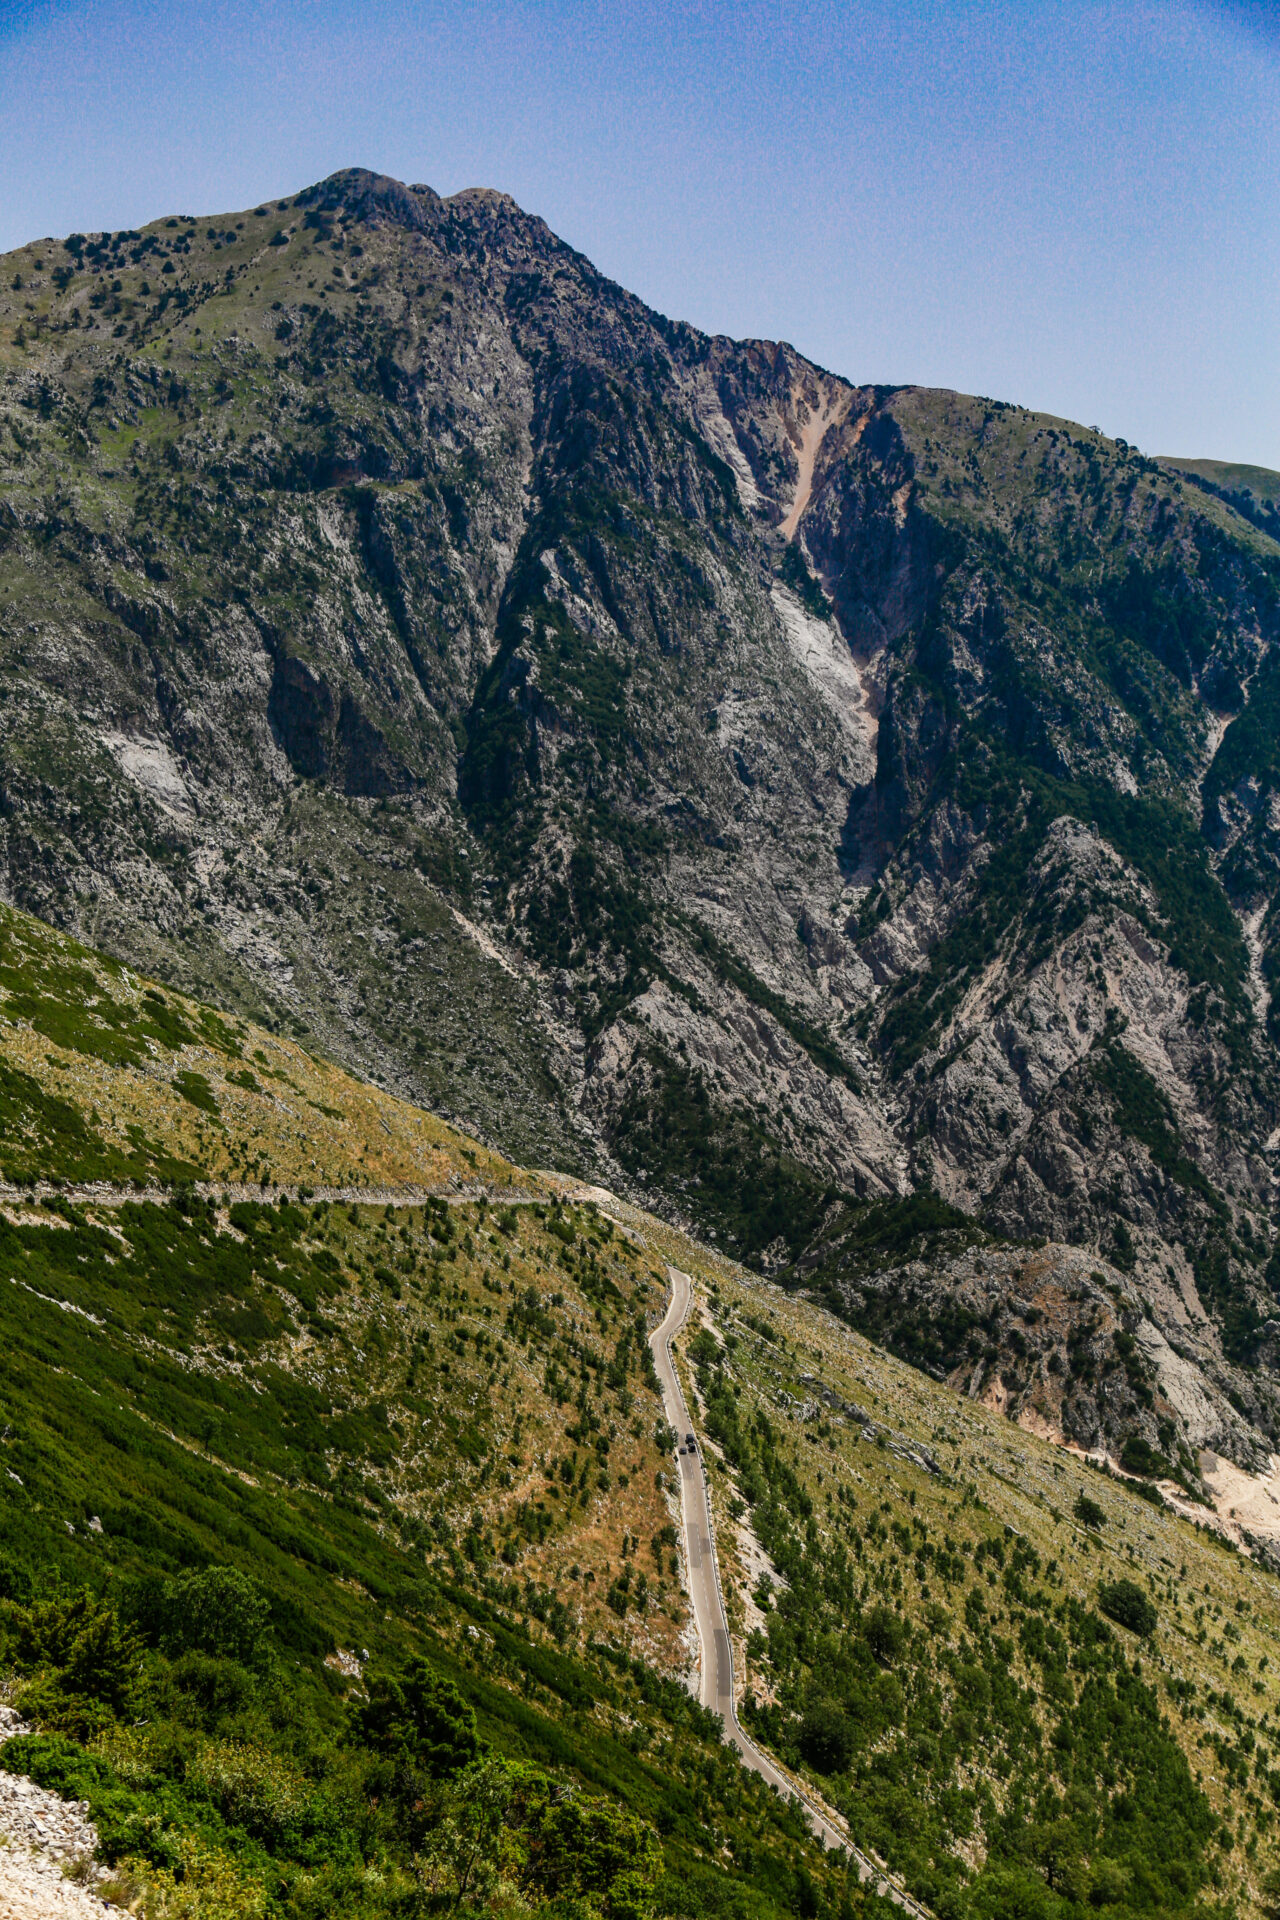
(1124, 1602)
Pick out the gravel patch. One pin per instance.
(41, 1833)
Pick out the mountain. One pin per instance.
(340, 1569)
(1254, 492)
(792, 803)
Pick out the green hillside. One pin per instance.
(266, 1452)
(1232, 476)
(1028, 1685)
(260, 1455)
(1254, 492)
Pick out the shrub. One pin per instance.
(826, 1737)
(1089, 1513)
(55, 1763)
(704, 1348)
(204, 1884)
(58, 1710)
(195, 1088)
(578, 1846)
(208, 1688)
(268, 1797)
(1124, 1602)
(80, 1647)
(1139, 1456)
(218, 1611)
(1010, 1893)
(885, 1634)
(420, 1716)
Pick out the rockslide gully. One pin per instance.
(716, 1688)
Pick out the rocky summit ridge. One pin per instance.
(786, 800)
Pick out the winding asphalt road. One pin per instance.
(716, 1652)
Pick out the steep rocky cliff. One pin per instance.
(675, 761)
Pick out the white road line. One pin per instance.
(710, 1619)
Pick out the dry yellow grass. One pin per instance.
(276, 1113)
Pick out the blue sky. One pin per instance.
(1069, 205)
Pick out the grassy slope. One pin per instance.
(1231, 476)
(396, 1419)
(421, 1425)
(995, 1580)
(165, 1085)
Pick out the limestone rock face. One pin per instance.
(1067, 1345)
(768, 793)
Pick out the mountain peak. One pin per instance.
(767, 792)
